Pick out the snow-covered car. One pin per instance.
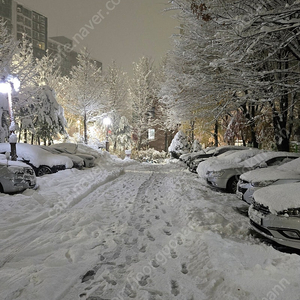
(285, 172)
(78, 162)
(194, 155)
(224, 173)
(15, 176)
(39, 159)
(185, 157)
(215, 152)
(71, 148)
(275, 213)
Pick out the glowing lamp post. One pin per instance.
(107, 122)
(6, 87)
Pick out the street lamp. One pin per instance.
(107, 122)
(6, 87)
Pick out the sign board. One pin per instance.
(151, 134)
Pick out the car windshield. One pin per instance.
(210, 151)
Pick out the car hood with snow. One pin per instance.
(290, 170)
(279, 197)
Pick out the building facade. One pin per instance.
(6, 13)
(22, 20)
(61, 48)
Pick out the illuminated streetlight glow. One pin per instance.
(107, 122)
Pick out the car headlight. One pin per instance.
(291, 212)
(262, 183)
(216, 174)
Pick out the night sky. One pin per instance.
(124, 30)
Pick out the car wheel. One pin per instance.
(232, 185)
(43, 170)
(1, 188)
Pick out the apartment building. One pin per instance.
(23, 20)
(61, 48)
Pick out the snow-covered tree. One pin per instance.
(179, 145)
(236, 55)
(118, 106)
(49, 117)
(196, 146)
(143, 94)
(84, 90)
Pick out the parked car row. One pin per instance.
(268, 181)
(34, 160)
(193, 159)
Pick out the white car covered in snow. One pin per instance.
(223, 172)
(39, 159)
(15, 176)
(288, 172)
(213, 152)
(275, 214)
(75, 149)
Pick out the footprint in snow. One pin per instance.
(143, 280)
(157, 217)
(173, 254)
(168, 224)
(110, 281)
(155, 263)
(175, 288)
(150, 237)
(179, 240)
(88, 275)
(142, 229)
(167, 232)
(143, 249)
(184, 269)
(129, 291)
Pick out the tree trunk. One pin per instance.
(280, 117)
(216, 133)
(192, 132)
(85, 128)
(166, 141)
(25, 136)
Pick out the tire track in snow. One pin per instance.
(44, 222)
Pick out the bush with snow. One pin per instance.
(150, 155)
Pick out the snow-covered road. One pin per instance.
(135, 231)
